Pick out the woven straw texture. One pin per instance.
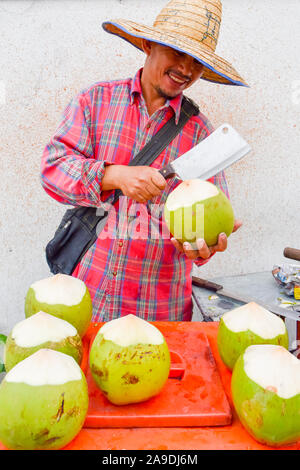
(191, 26)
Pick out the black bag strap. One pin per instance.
(163, 137)
(91, 215)
(79, 227)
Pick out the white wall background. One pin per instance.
(49, 50)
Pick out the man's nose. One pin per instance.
(186, 65)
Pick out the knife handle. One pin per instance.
(197, 281)
(292, 253)
(167, 171)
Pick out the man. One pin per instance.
(104, 127)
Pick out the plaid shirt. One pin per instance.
(143, 273)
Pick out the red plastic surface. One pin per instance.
(231, 437)
(192, 396)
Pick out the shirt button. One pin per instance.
(114, 273)
(148, 125)
(120, 244)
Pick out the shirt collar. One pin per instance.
(136, 87)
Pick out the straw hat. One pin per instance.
(190, 26)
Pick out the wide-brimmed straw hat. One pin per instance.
(190, 26)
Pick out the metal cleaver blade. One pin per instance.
(219, 150)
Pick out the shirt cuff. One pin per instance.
(92, 180)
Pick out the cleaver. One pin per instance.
(219, 150)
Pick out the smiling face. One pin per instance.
(167, 72)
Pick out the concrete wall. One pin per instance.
(52, 49)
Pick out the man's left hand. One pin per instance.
(203, 250)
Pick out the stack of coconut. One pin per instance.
(44, 395)
(265, 383)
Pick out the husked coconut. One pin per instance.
(63, 296)
(247, 325)
(266, 394)
(129, 360)
(198, 209)
(41, 331)
(43, 402)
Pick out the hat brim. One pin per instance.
(216, 69)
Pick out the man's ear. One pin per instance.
(146, 45)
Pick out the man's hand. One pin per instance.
(140, 183)
(203, 250)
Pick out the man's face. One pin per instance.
(168, 71)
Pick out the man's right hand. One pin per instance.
(140, 183)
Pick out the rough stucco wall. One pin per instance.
(52, 49)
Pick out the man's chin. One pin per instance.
(167, 95)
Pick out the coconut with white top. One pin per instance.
(266, 394)
(43, 402)
(129, 360)
(247, 325)
(198, 209)
(41, 331)
(63, 296)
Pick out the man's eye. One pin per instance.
(196, 62)
(178, 53)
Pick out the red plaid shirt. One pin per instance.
(143, 274)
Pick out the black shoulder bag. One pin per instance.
(77, 231)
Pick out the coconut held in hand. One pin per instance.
(63, 296)
(266, 394)
(198, 209)
(129, 360)
(43, 402)
(247, 325)
(41, 331)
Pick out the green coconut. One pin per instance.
(3, 339)
(266, 394)
(43, 402)
(198, 209)
(41, 331)
(247, 325)
(129, 360)
(63, 296)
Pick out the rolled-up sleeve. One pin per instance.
(69, 172)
